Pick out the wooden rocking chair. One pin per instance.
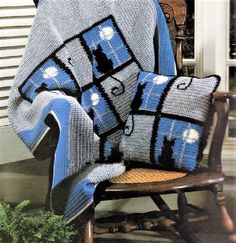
(206, 178)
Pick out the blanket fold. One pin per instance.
(79, 72)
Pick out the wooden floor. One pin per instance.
(208, 232)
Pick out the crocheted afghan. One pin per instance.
(79, 72)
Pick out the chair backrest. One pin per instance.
(175, 12)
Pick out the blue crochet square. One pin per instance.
(106, 47)
(149, 90)
(48, 76)
(96, 106)
(177, 144)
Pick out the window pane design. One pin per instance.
(189, 41)
(189, 70)
(232, 29)
(232, 116)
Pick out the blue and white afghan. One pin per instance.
(77, 79)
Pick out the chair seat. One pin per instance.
(200, 179)
(145, 175)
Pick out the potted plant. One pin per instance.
(18, 226)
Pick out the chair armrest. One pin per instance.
(225, 95)
(221, 108)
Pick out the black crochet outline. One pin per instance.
(170, 116)
(101, 149)
(120, 126)
(183, 118)
(190, 82)
(116, 88)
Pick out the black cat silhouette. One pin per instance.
(90, 112)
(165, 159)
(104, 64)
(137, 101)
(42, 87)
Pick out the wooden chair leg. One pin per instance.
(87, 232)
(226, 219)
(85, 225)
(183, 223)
(86, 228)
(50, 177)
(164, 208)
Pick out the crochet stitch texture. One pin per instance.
(175, 111)
(80, 68)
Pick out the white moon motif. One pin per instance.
(106, 33)
(191, 135)
(160, 79)
(50, 72)
(95, 99)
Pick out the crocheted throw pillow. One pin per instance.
(167, 121)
